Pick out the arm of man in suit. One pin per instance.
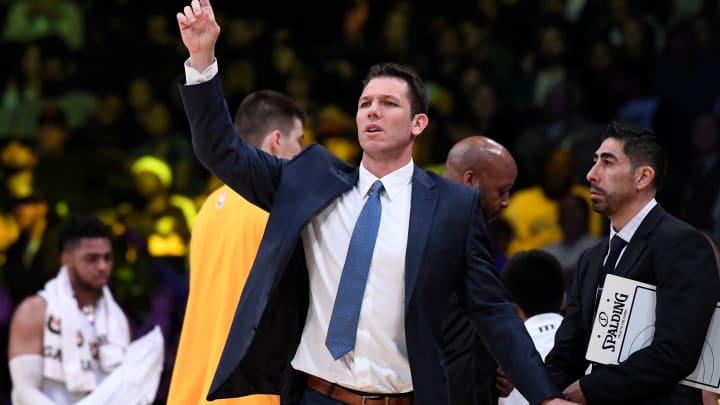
(249, 171)
(566, 360)
(687, 291)
(487, 303)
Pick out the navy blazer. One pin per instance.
(679, 260)
(446, 250)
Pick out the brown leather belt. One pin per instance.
(349, 397)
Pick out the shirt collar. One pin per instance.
(393, 182)
(627, 232)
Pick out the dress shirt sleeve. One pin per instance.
(192, 76)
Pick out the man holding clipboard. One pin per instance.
(646, 244)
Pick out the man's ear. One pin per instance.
(469, 178)
(271, 144)
(644, 177)
(65, 259)
(420, 122)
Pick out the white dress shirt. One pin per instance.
(628, 231)
(379, 362)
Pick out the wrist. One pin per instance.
(200, 61)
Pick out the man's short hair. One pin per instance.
(263, 111)
(416, 87)
(641, 145)
(78, 227)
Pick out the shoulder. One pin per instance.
(317, 150)
(449, 190)
(432, 179)
(26, 328)
(32, 307)
(316, 156)
(669, 226)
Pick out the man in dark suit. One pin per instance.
(660, 250)
(430, 241)
(483, 163)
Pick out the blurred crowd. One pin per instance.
(90, 119)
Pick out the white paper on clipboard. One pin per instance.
(625, 323)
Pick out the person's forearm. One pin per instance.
(26, 376)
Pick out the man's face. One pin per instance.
(89, 263)
(612, 178)
(495, 185)
(291, 144)
(386, 128)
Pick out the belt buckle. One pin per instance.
(366, 397)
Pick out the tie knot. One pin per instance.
(617, 243)
(376, 188)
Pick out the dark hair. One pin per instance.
(642, 147)
(263, 111)
(535, 282)
(418, 95)
(78, 227)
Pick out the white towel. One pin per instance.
(136, 380)
(62, 313)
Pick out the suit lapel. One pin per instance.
(638, 243)
(596, 263)
(422, 207)
(337, 181)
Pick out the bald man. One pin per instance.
(483, 163)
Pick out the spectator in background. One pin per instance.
(703, 185)
(155, 227)
(33, 259)
(533, 211)
(574, 221)
(225, 239)
(534, 280)
(32, 19)
(165, 142)
(71, 176)
(479, 162)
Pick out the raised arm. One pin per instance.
(249, 171)
(199, 32)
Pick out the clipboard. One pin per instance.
(625, 323)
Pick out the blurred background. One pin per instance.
(91, 121)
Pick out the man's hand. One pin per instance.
(503, 385)
(199, 32)
(574, 393)
(557, 401)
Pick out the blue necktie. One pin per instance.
(340, 338)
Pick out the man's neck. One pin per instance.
(86, 298)
(622, 217)
(381, 168)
